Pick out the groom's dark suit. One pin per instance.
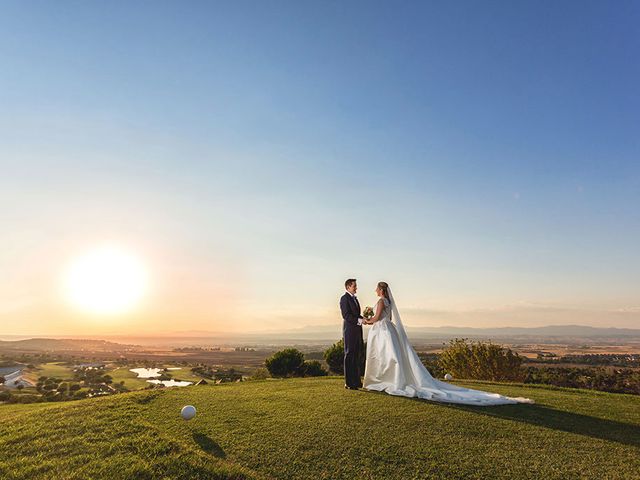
(353, 342)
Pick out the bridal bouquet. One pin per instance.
(367, 313)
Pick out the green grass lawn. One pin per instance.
(54, 369)
(313, 428)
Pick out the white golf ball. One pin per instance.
(448, 377)
(188, 412)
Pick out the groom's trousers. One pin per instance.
(353, 347)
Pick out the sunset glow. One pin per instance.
(107, 280)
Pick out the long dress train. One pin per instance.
(393, 366)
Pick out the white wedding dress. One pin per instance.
(393, 366)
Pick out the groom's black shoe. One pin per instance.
(350, 388)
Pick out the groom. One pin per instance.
(352, 335)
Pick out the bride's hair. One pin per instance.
(384, 286)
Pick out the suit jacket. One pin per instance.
(350, 310)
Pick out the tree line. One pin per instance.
(478, 360)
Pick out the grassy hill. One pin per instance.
(313, 428)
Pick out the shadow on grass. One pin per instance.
(209, 445)
(542, 416)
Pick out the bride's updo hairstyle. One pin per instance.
(384, 286)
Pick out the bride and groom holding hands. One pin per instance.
(392, 365)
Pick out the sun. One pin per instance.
(106, 280)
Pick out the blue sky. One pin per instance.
(482, 157)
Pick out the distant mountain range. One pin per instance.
(322, 334)
(550, 330)
(62, 344)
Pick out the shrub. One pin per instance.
(334, 356)
(618, 380)
(4, 396)
(285, 363)
(314, 368)
(432, 362)
(25, 398)
(260, 374)
(482, 361)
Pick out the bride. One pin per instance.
(394, 367)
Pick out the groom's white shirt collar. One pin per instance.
(352, 294)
